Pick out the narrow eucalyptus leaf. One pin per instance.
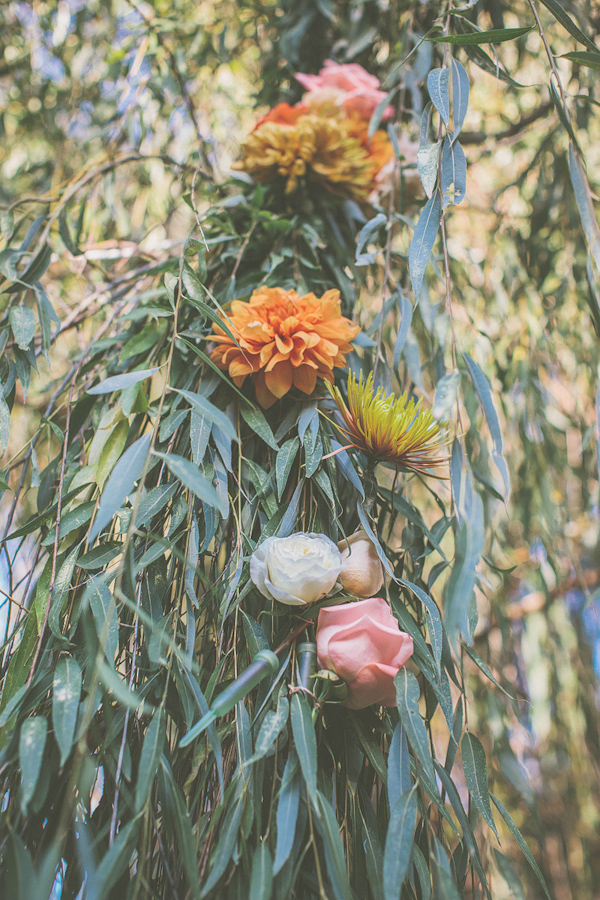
(191, 478)
(32, 742)
(522, 844)
(423, 240)
(66, 693)
(407, 695)
(460, 96)
(261, 879)
(120, 484)
(399, 843)
(151, 752)
(120, 382)
(305, 740)
(438, 81)
(287, 811)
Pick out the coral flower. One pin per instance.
(349, 85)
(316, 146)
(389, 428)
(284, 340)
(283, 114)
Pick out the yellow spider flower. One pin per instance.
(388, 428)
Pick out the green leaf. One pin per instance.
(19, 877)
(407, 695)
(371, 844)
(71, 521)
(152, 503)
(4, 422)
(120, 484)
(454, 173)
(428, 158)
(23, 324)
(522, 843)
(100, 556)
(438, 81)
(120, 382)
(398, 779)
(289, 518)
(468, 548)
(510, 876)
(558, 11)
(32, 741)
(255, 418)
(422, 873)
(284, 462)
(66, 691)
(485, 669)
(465, 824)
(211, 413)
(585, 205)
(494, 36)
(362, 258)
(255, 636)
(334, 853)
(584, 58)
(191, 477)
(287, 811)
(423, 240)
(183, 826)
(399, 843)
(305, 740)
(272, 725)
(475, 769)
(460, 96)
(115, 862)
(484, 393)
(261, 880)
(104, 611)
(111, 451)
(434, 622)
(227, 839)
(149, 759)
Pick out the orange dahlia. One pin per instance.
(284, 340)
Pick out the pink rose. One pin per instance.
(356, 90)
(362, 643)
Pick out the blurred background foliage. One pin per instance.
(119, 122)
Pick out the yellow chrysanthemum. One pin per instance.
(318, 147)
(389, 428)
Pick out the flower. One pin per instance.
(362, 643)
(349, 85)
(296, 570)
(284, 114)
(284, 340)
(319, 147)
(389, 428)
(362, 572)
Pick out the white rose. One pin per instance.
(296, 570)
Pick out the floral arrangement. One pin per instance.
(325, 138)
(235, 629)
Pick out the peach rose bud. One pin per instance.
(362, 643)
(362, 572)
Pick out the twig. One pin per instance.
(56, 528)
